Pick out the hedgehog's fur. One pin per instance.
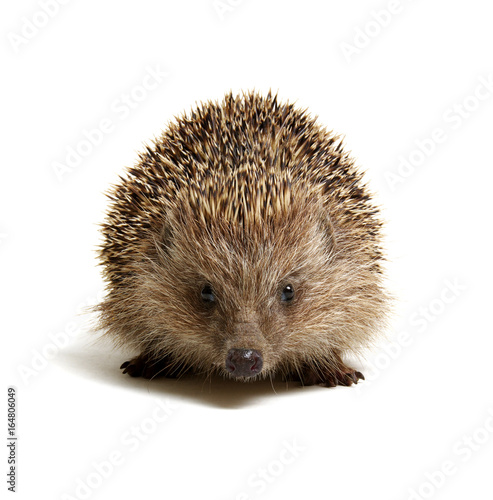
(246, 195)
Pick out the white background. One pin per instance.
(421, 425)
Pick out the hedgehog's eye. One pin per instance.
(287, 293)
(207, 294)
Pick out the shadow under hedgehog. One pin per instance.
(243, 243)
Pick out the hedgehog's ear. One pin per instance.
(328, 231)
(162, 239)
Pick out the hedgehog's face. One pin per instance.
(246, 302)
(249, 297)
(246, 330)
(247, 321)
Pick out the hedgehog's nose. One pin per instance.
(244, 362)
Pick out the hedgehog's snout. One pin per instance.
(244, 362)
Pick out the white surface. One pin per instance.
(423, 396)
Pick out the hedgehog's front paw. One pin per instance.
(136, 367)
(142, 366)
(345, 377)
(146, 367)
(341, 375)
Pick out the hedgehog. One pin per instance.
(244, 243)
